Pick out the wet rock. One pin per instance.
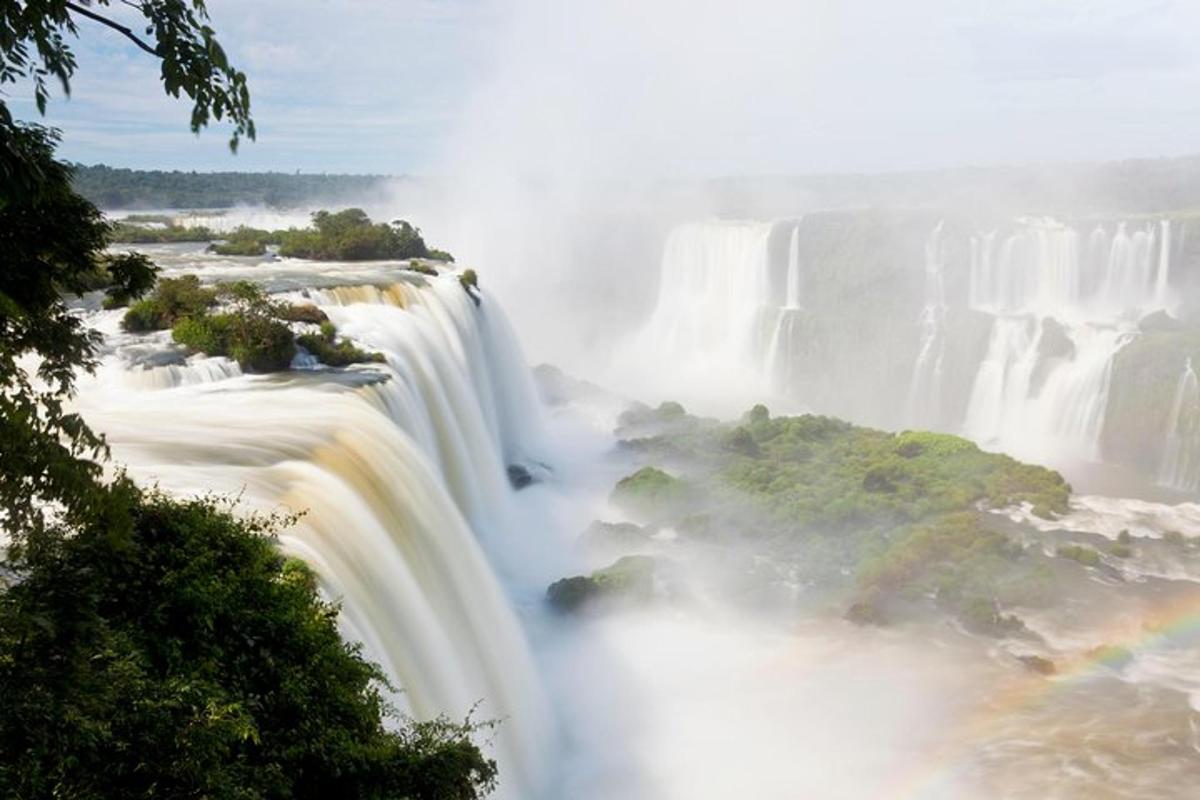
(1159, 321)
(519, 476)
(627, 580)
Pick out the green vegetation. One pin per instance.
(142, 234)
(152, 647)
(110, 187)
(817, 471)
(183, 656)
(335, 352)
(469, 280)
(351, 236)
(172, 300)
(245, 241)
(651, 492)
(891, 522)
(250, 328)
(1079, 553)
(301, 313)
(247, 331)
(629, 579)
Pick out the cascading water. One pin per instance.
(1060, 317)
(709, 322)
(787, 332)
(925, 391)
(400, 470)
(1180, 465)
(793, 271)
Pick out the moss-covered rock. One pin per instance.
(650, 492)
(629, 579)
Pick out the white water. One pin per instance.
(713, 287)
(402, 481)
(1028, 396)
(793, 271)
(1180, 465)
(926, 389)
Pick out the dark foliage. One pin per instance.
(188, 658)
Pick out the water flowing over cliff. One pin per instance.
(1004, 332)
(1062, 311)
(399, 471)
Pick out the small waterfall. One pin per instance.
(787, 331)
(925, 390)
(400, 470)
(1180, 464)
(1162, 281)
(196, 370)
(792, 295)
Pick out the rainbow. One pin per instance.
(1175, 622)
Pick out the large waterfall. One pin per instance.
(1007, 336)
(1062, 311)
(712, 292)
(399, 470)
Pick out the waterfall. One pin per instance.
(1162, 281)
(713, 286)
(1060, 317)
(713, 320)
(1180, 464)
(925, 390)
(399, 469)
(792, 295)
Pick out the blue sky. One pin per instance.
(660, 86)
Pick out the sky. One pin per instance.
(658, 87)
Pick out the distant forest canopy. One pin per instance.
(1130, 187)
(115, 188)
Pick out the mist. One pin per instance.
(809, 407)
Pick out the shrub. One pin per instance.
(305, 312)
(350, 235)
(183, 656)
(334, 352)
(650, 490)
(142, 234)
(172, 299)
(740, 440)
(1079, 553)
(256, 342)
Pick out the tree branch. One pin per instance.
(129, 34)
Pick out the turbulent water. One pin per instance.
(399, 470)
(410, 520)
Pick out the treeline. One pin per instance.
(110, 187)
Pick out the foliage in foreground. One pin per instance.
(188, 658)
